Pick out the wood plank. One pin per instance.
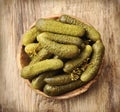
(15, 18)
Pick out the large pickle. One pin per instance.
(59, 80)
(50, 25)
(95, 62)
(62, 50)
(58, 90)
(33, 70)
(90, 30)
(64, 39)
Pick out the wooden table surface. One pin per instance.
(15, 18)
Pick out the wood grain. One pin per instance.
(15, 18)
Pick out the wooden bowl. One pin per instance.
(23, 60)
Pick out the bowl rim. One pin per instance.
(67, 95)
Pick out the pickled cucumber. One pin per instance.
(61, 50)
(64, 39)
(50, 25)
(95, 62)
(77, 62)
(92, 33)
(33, 70)
(42, 55)
(59, 80)
(39, 83)
(58, 90)
(30, 36)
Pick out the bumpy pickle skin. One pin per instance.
(77, 62)
(41, 55)
(64, 39)
(33, 70)
(95, 62)
(59, 80)
(92, 33)
(50, 25)
(32, 49)
(58, 90)
(62, 50)
(30, 36)
(39, 83)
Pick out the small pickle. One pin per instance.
(30, 36)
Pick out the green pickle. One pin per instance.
(30, 36)
(33, 70)
(60, 80)
(58, 90)
(50, 25)
(64, 39)
(92, 33)
(78, 61)
(95, 62)
(38, 82)
(62, 50)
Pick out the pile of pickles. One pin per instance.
(65, 54)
